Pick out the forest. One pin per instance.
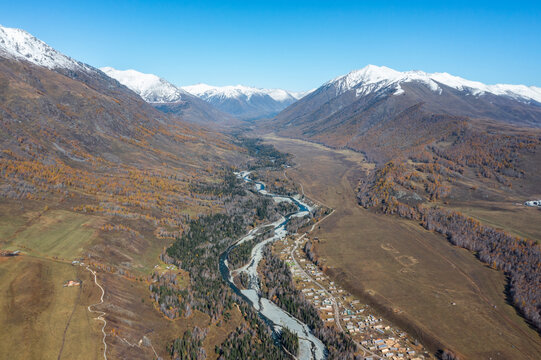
(290, 341)
(251, 341)
(264, 155)
(240, 255)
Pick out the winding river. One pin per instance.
(310, 347)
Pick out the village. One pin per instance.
(375, 337)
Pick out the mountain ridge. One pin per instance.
(373, 78)
(203, 89)
(244, 102)
(355, 109)
(169, 98)
(61, 106)
(150, 87)
(19, 44)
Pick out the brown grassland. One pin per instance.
(440, 293)
(40, 318)
(132, 315)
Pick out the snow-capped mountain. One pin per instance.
(355, 109)
(245, 102)
(150, 87)
(167, 97)
(20, 45)
(205, 91)
(375, 78)
(67, 109)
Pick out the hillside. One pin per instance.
(435, 290)
(91, 172)
(452, 157)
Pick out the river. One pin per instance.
(310, 347)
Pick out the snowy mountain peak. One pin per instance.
(373, 78)
(244, 102)
(150, 87)
(18, 44)
(205, 91)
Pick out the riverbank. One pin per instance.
(310, 347)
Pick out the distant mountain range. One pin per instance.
(199, 103)
(354, 110)
(373, 78)
(243, 102)
(376, 106)
(169, 98)
(151, 88)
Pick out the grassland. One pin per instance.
(9, 223)
(131, 315)
(42, 319)
(56, 233)
(440, 293)
(516, 219)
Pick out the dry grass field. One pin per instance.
(42, 319)
(442, 294)
(131, 316)
(516, 219)
(56, 233)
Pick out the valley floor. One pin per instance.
(375, 337)
(440, 294)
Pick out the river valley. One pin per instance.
(310, 347)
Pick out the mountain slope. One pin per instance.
(168, 98)
(20, 45)
(449, 153)
(245, 103)
(92, 172)
(342, 111)
(70, 130)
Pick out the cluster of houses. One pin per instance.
(356, 324)
(78, 262)
(390, 348)
(370, 332)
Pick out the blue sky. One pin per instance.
(296, 45)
